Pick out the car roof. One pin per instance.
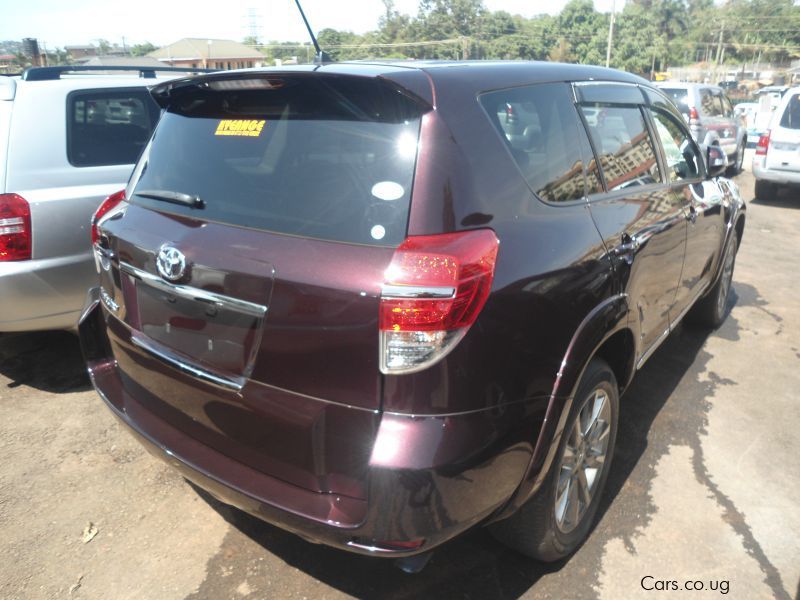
(481, 70)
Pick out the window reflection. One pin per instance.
(540, 125)
(623, 145)
(681, 154)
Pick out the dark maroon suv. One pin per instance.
(379, 304)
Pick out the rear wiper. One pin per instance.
(192, 201)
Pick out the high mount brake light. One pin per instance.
(15, 228)
(763, 144)
(434, 289)
(107, 205)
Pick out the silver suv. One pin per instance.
(68, 138)
(711, 118)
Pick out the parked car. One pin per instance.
(753, 118)
(776, 162)
(69, 136)
(359, 302)
(711, 118)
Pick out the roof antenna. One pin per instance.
(321, 56)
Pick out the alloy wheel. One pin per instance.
(583, 460)
(727, 277)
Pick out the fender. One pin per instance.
(737, 210)
(606, 319)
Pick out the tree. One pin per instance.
(633, 40)
(142, 49)
(103, 46)
(583, 29)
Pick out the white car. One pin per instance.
(777, 159)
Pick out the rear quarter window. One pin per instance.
(791, 116)
(710, 103)
(109, 127)
(540, 127)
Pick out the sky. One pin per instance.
(76, 22)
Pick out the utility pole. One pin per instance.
(719, 45)
(610, 32)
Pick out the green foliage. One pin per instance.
(649, 35)
(142, 49)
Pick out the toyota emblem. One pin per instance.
(171, 263)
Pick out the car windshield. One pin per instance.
(323, 157)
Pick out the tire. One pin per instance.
(736, 167)
(712, 309)
(547, 530)
(765, 190)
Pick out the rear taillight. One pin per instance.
(763, 144)
(434, 289)
(694, 117)
(108, 204)
(15, 228)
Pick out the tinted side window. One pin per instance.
(540, 125)
(710, 103)
(682, 156)
(791, 116)
(623, 145)
(108, 127)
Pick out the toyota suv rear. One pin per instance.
(379, 304)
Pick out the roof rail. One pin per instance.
(148, 72)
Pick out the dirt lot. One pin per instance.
(704, 487)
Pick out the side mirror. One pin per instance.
(716, 161)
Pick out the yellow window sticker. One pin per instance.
(241, 127)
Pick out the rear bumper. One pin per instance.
(429, 478)
(773, 175)
(44, 294)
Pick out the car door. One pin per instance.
(702, 203)
(641, 220)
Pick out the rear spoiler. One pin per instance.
(418, 90)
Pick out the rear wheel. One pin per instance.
(765, 190)
(736, 167)
(553, 523)
(711, 310)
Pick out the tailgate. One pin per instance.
(248, 320)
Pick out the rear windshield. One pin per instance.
(324, 157)
(680, 96)
(791, 116)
